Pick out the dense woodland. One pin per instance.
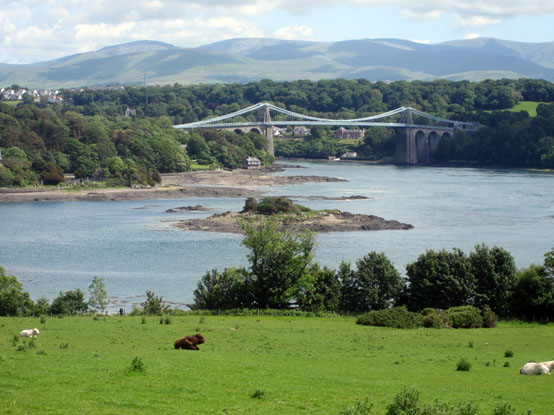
(89, 136)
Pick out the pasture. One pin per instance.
(261, 365)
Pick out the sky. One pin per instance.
(39, 30)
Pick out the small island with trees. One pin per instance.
(290, 216)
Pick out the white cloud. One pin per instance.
(476, 21)
(297, 32)
(472, 36)
(32, 30)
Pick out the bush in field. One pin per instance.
(489, 318)
(137, 366)
(360, 407)
(397, 317)
(404, 403)
(463, 365)
(435, 319)
(13, 300)
(466, 317)
(153, 304)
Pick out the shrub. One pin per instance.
(137, 366)
(258, 394)
(489, 317)
(404, 403)
(360, 407)
(508, 353)
(153, 304)
(272, 205)
(504, 409)
(435, 319)
(464, 317)
(397, 317)
(463, 365)
(506, 364)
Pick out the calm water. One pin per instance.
(55, 247)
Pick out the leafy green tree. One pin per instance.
(549, 263)
(319, 290)
(13, 300)
(221, 291)
(440, 280)
(98, 296)
(52, 174)
(69, 302)
(495, 274)
(278, 262)
(533, 295)
(379, 281)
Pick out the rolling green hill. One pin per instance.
(244, 60)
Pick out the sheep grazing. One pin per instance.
(189, 342)
(29, 333)
(541, 368)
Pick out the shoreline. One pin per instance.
(217, 183)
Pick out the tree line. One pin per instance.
(282, 275)
(88, 135)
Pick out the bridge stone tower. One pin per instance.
(264, 119)
(406, 149)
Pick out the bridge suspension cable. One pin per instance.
(216, 122)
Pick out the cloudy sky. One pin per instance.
(36, 30)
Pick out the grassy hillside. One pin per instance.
(529, 106)
(252, 59)
(297, 365)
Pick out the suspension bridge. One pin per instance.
(415, 146)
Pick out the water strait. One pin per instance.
(53, 247)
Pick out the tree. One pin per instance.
(533, 295)
(440, 280)
(319, 290)
(221, 291)
(70, 302)
(13, 300)
(278, 262)
(495, 273)
(153, 304)
(549, 263)
(98, 296)
(379, 281)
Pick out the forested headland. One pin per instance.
(88, 134)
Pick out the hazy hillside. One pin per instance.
(243, 60)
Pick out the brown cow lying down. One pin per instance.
(189, 342)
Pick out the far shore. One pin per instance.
(220, 183)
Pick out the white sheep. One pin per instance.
(29, 333)
(541, 368)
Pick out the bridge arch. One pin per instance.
(434, 138)
(422, 147)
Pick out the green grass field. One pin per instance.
(529, 106)
(300, 365)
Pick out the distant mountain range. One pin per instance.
(252, 59)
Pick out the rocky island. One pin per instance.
(290, 216)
